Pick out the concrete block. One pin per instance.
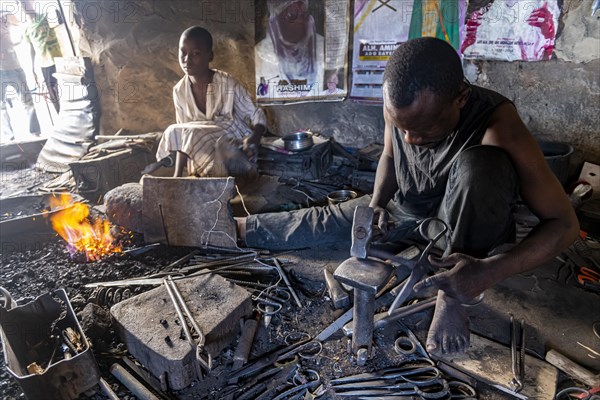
(191, 212)
(217, 306)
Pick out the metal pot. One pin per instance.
(339, 196)
(298, 141)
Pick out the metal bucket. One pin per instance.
(26, 339)
(558, 156)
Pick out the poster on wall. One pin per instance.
(511, 30)
(382, 25)
(301, 50)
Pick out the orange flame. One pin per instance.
(71, 222)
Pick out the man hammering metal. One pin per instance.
(453, 151)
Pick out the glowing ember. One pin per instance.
(71, 222)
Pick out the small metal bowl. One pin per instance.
(339, 196)
(298, 141)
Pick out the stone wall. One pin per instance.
(133, 45)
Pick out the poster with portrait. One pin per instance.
(301, 50)
(382, 25)
(511, 30)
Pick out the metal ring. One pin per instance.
(280, 292)
(295, 337)
(571, 390)
(307, 353)
(596, 329)
(461, 390)
(405, 346)
(310, 373)
(262, 307)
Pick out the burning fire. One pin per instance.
(71, 222)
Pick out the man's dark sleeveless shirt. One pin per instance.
(422, 172)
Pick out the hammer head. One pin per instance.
(363, 274)
(362, 231)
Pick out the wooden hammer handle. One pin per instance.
(572, 369)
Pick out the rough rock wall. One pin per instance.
(134, 47)
(557, 99)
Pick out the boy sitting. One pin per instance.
(218, 127)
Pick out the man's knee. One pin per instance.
(482, 164)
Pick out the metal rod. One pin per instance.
(140, 391)
(287, 282)
(106, 389)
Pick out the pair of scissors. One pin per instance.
(419, 371)
(408, 345)
(422, 266)
(433, 389)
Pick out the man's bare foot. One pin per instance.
(449, 330)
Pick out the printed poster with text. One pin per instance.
(301, 50)
(382, 25)
(511, 30)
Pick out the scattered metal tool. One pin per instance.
(383, 319)
(420, 269)
(203, 358)
(407, 338)
(136, 387)
(418, 377)
(283, 276)
(517, 352)
(338, 295)
(279, 355)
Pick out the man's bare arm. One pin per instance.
(543, 194)
(541, 191)
(385, 177)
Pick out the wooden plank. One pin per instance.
(490, 362)
(191, 212)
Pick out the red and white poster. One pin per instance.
(511, 30)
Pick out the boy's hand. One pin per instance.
(251, 142)
(250, 147)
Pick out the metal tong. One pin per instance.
(203, 358)
(517, 353)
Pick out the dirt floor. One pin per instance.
(558, 313)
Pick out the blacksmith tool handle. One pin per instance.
(136, 387)
(179, 303)
(269, 359)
